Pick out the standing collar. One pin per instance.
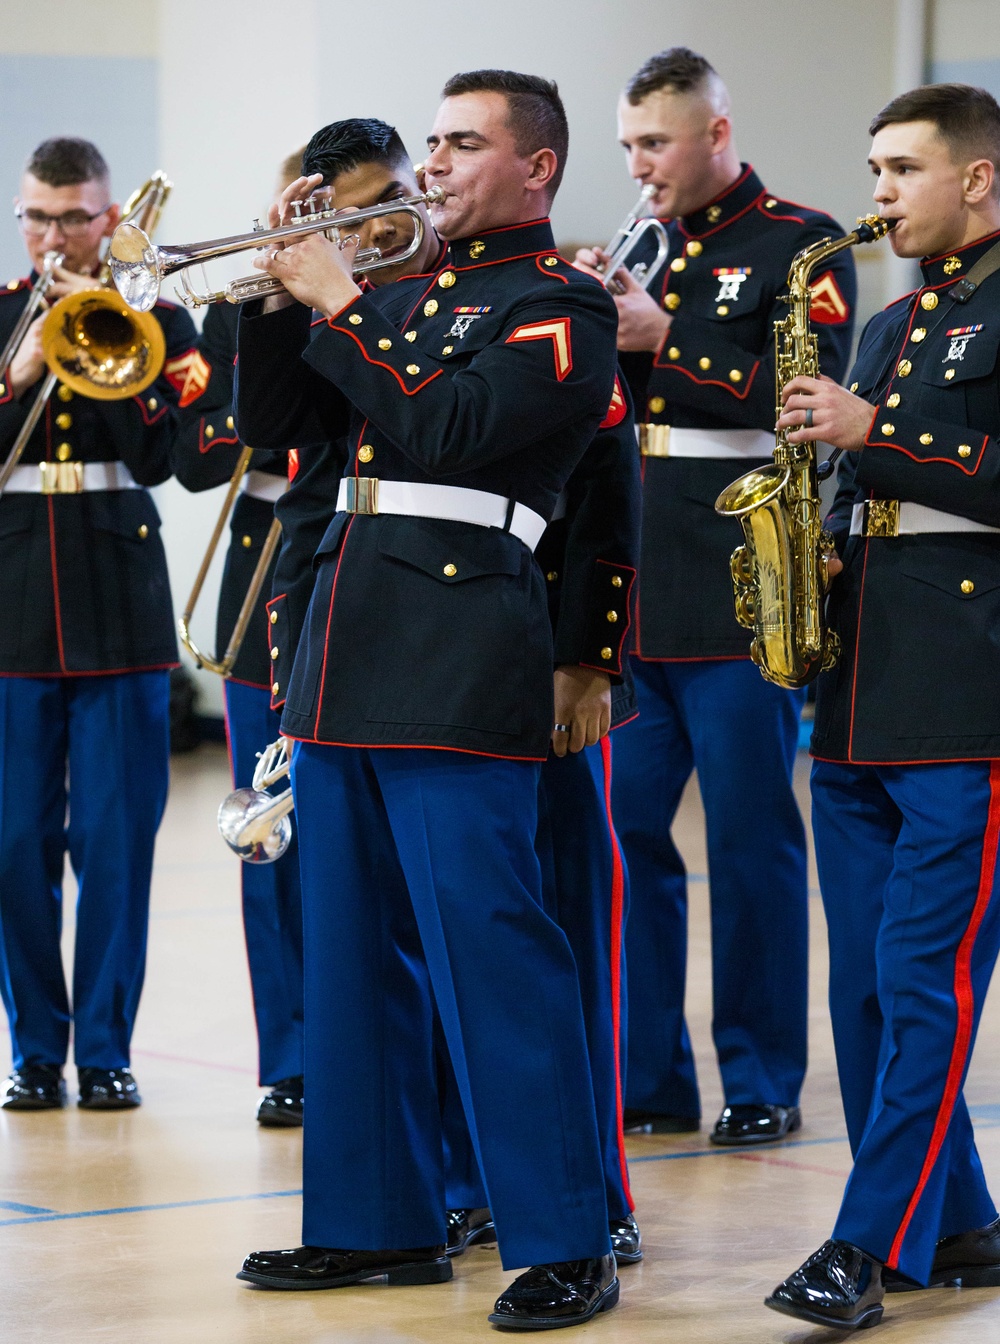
(493, 245)
(736, 200)
(953, 265)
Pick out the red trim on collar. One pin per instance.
(723, 224)
(954, 251)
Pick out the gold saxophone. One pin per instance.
(780, 575)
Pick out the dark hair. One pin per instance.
(65, 161)
(678, 69)
(535, 112)
(966, 117)
(344, 145)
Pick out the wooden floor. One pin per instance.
(131, 1228)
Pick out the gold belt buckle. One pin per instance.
(882, 518)
(654, 440)
(362, 494)
(61, 478)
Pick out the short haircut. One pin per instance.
(345, 145)
(65, 161)
(966, 117)
(678, 70)
(535, 113)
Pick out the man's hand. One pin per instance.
(314, 270)
(838, 416)
(642, 323)
(68, 282)
(583, 704)
(28, 364)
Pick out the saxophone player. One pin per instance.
(699, 352)
(906, 777)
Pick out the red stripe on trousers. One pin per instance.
(966, 1006)
(617, 904)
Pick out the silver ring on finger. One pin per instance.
(560, 727)
(809, 418)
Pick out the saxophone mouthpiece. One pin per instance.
(872, 227)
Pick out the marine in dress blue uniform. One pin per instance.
(85, 654)
(906, 779)
(205, 452)
(706, 399)
(417, 764)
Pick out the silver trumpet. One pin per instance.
(631, 233)
(138, 267)
(255, 824)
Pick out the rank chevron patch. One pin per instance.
(827, 304)
(617, 409)
(189, 374)
(556, 331)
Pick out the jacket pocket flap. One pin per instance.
(963, 577)
(450, 552)
(128, 513)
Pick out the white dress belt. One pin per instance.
(69, 478)
(419, 499)
(263, 485)
(911, 520)
(669, 441)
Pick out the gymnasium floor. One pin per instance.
(130, 1228)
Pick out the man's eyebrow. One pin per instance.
(389, 189)
(893, 160)
(454, 136)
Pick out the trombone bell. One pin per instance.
(100, 348)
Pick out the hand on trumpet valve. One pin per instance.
(592, 260)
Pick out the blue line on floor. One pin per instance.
(9, 1207)
(148, 1208)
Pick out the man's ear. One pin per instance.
(113, 218)
(979, 181)
(544, 165)
(720, 134)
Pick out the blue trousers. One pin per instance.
(740, 733)
(907, 864)
(84, 768)
(272, 902)
(421, 887)
(585, 890)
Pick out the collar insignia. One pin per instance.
(952, 265)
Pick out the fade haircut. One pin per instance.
(678, 70)
(345, 145)
(966, 118)
(535, 114)
(65, 161)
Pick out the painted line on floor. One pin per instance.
(149, 1208)
(9, 1207)
(201, 1063)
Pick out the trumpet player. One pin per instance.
(697, 345)
(85, 654)
(906, 775)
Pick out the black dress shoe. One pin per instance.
(740, 1126)
(282, 1107)
(36, 1087)
(654, 1122)
(108, 1090)
(321, 1267)
(838, 1286)
(626, 1240)
(551, 1296)
(469, 1227)
(968, 1260)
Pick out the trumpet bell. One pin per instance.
(255, 825)
(135, 267)
(96, 345)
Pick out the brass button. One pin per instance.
(64, 452)
(366, 452)
(476, 249)
(657, 405)
(355, 319)
(209, 432)
(723, 309)
(612, 616)
(229, 422)
(143, 531)
(918, 334)
(607, 654)
(853, 387)
(274, 653)
(928, 301)
(949, 375)
(247, 542)
(551, 261)
(888, 430)
(903, 368)
(964, 450)
(385, 343)
(446, 280)
(671, 302)
(13, 284)
(694, 248)
(430, 307)
(275, 688)
(673, 353)
(735, 376)
(152, 403)
(65, 393)
(64, 419)
(552, 575)
(770, 203)
(3, 389)
(413, 369)
(273, 618)
(678, 264)
(927, 439)
(450, 571)
(704, 362)
(410, 336)
(616, 582)
(968, 586)
(892, 401)
(447, 350)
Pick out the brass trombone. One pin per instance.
(631, 233)
(139, 268)
(255, 824)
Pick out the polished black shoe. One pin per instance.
(968, 1260)
(743, 1126)
(838, 1286)
(36, 1087)
(282, 1107)
(320, 1267)
(626, 1240)
(551, 1296)
(108, 1090)
(653, 1122)
(470, 1227)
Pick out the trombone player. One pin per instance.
(85, 654)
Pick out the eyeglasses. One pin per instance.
(71, 224)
